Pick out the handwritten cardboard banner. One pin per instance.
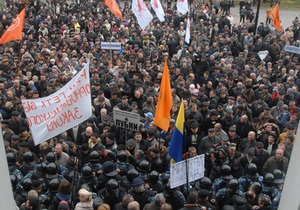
(195, 167)
(56, 113)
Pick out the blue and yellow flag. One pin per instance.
(175, 148)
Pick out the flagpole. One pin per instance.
(256, 17)
(186, 162)
(21, 41)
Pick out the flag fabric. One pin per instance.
(14, 31)
(114, 8)
(175, 148)
(156, 5)
(274, 15)
(142, 13)
(182, 6)
(164, 103)
(188, 31)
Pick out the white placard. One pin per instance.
(60, 111)
(196, 167)
(195, 170)
(126, 120)
(292, 49)
(263, 54)
(111, 46)
(178, 174)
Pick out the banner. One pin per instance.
(69, 106)
(292, 49)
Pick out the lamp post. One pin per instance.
(257, 15)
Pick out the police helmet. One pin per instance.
(153, 176)
(251, 170)
(13, 180)
(28, 157)
(144, 166)
(51, 157)
(26, 184)
(268, 179)
(131, 174)
(122, 157)
(94, 157)
(87, 172)
(11, 158)
(53, 185)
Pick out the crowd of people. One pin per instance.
(241, 112)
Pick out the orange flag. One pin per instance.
(164, 103)
(114, 8)
(274, 15)
(14, 31)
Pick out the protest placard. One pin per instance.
(178, 171)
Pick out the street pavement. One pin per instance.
(286, 16)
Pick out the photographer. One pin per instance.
(264, 131)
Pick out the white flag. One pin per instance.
(62, 110)
(141, 12)
(156, 5)
(182, 6)
(188, 31)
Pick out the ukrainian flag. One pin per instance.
(175, 148)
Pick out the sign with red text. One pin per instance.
(69, 106)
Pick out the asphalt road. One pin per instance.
(286, 16)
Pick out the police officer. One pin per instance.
(128, 178)
(224, 196)
(174, 197)
(250, 177)
(109, 171)
(122, 163)
(153, 178)
(140, 193)
(144, 168)
(28, 164)
(222, 182)
(112, 193)
(269, 189)
(88, 178)
(13, 169)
